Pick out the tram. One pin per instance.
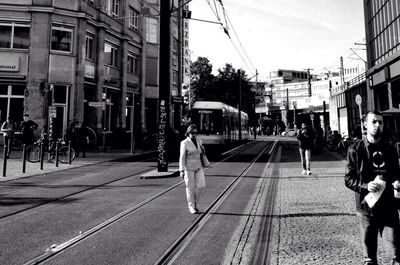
(218, 123)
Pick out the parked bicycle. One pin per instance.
(49, 147)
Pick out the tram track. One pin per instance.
(56, 249)
(180, 244)
(13, 185)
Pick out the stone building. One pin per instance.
(93, 61)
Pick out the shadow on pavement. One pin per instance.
(290, 153)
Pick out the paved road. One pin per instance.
(274, 214)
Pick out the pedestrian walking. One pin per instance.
(7, 128)
(191, 168)
(372, 173)
(27, 128)
(306, 142)
(83, 140)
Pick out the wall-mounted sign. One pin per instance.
(9, 64)
(177, 100)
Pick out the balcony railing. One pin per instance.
(349, 84)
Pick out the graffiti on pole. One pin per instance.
(162, 159)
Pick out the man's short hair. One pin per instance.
(375, 112)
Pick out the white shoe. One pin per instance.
(308, 172)
(304, 172)
(192, 210)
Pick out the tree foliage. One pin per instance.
(225, 86)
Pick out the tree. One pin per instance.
(203, 81)
(224, 87)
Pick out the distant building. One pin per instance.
(343, 111)
(290, 92)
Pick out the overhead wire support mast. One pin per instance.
(201, 20)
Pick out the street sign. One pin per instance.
(96, 104)
(358, 100)
(177, 100)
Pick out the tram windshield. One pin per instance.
(208, 121)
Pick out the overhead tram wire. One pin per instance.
(226, 31)
(237, 37)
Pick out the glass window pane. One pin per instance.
(3, 109)
(16, 109)
(17, 90)
(5, 36)
(60, 94)
(89, 47)
(21, 37)
(61, 40)
(107, 54)
(3, 89)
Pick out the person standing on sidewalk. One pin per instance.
(190, 167)
(27, 127)
(366, 159)
(306, 142)
(7, 129)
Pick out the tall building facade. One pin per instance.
(93, 61)
(382, 23)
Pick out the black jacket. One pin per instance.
(360, 171)
(306, 140)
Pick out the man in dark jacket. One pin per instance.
(27, 128)
(306, 142)
(367, 159)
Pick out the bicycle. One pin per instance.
(64, 151)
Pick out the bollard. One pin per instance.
(57, 146)
(23, 158)
(5, 152)
(41, 155)
(69, 152)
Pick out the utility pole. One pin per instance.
(342, 70)
(240, 105)
(309, 81)
(164, 85)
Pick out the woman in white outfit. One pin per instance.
(190, 167)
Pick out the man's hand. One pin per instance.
(182, 174)
(396, 185)
(373, 186)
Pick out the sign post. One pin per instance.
(359, 101)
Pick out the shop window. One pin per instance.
(14, 36)
(110, 55)
(11, 102)
(61, 39)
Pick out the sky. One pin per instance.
(278, 34)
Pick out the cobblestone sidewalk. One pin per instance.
(315, 221)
